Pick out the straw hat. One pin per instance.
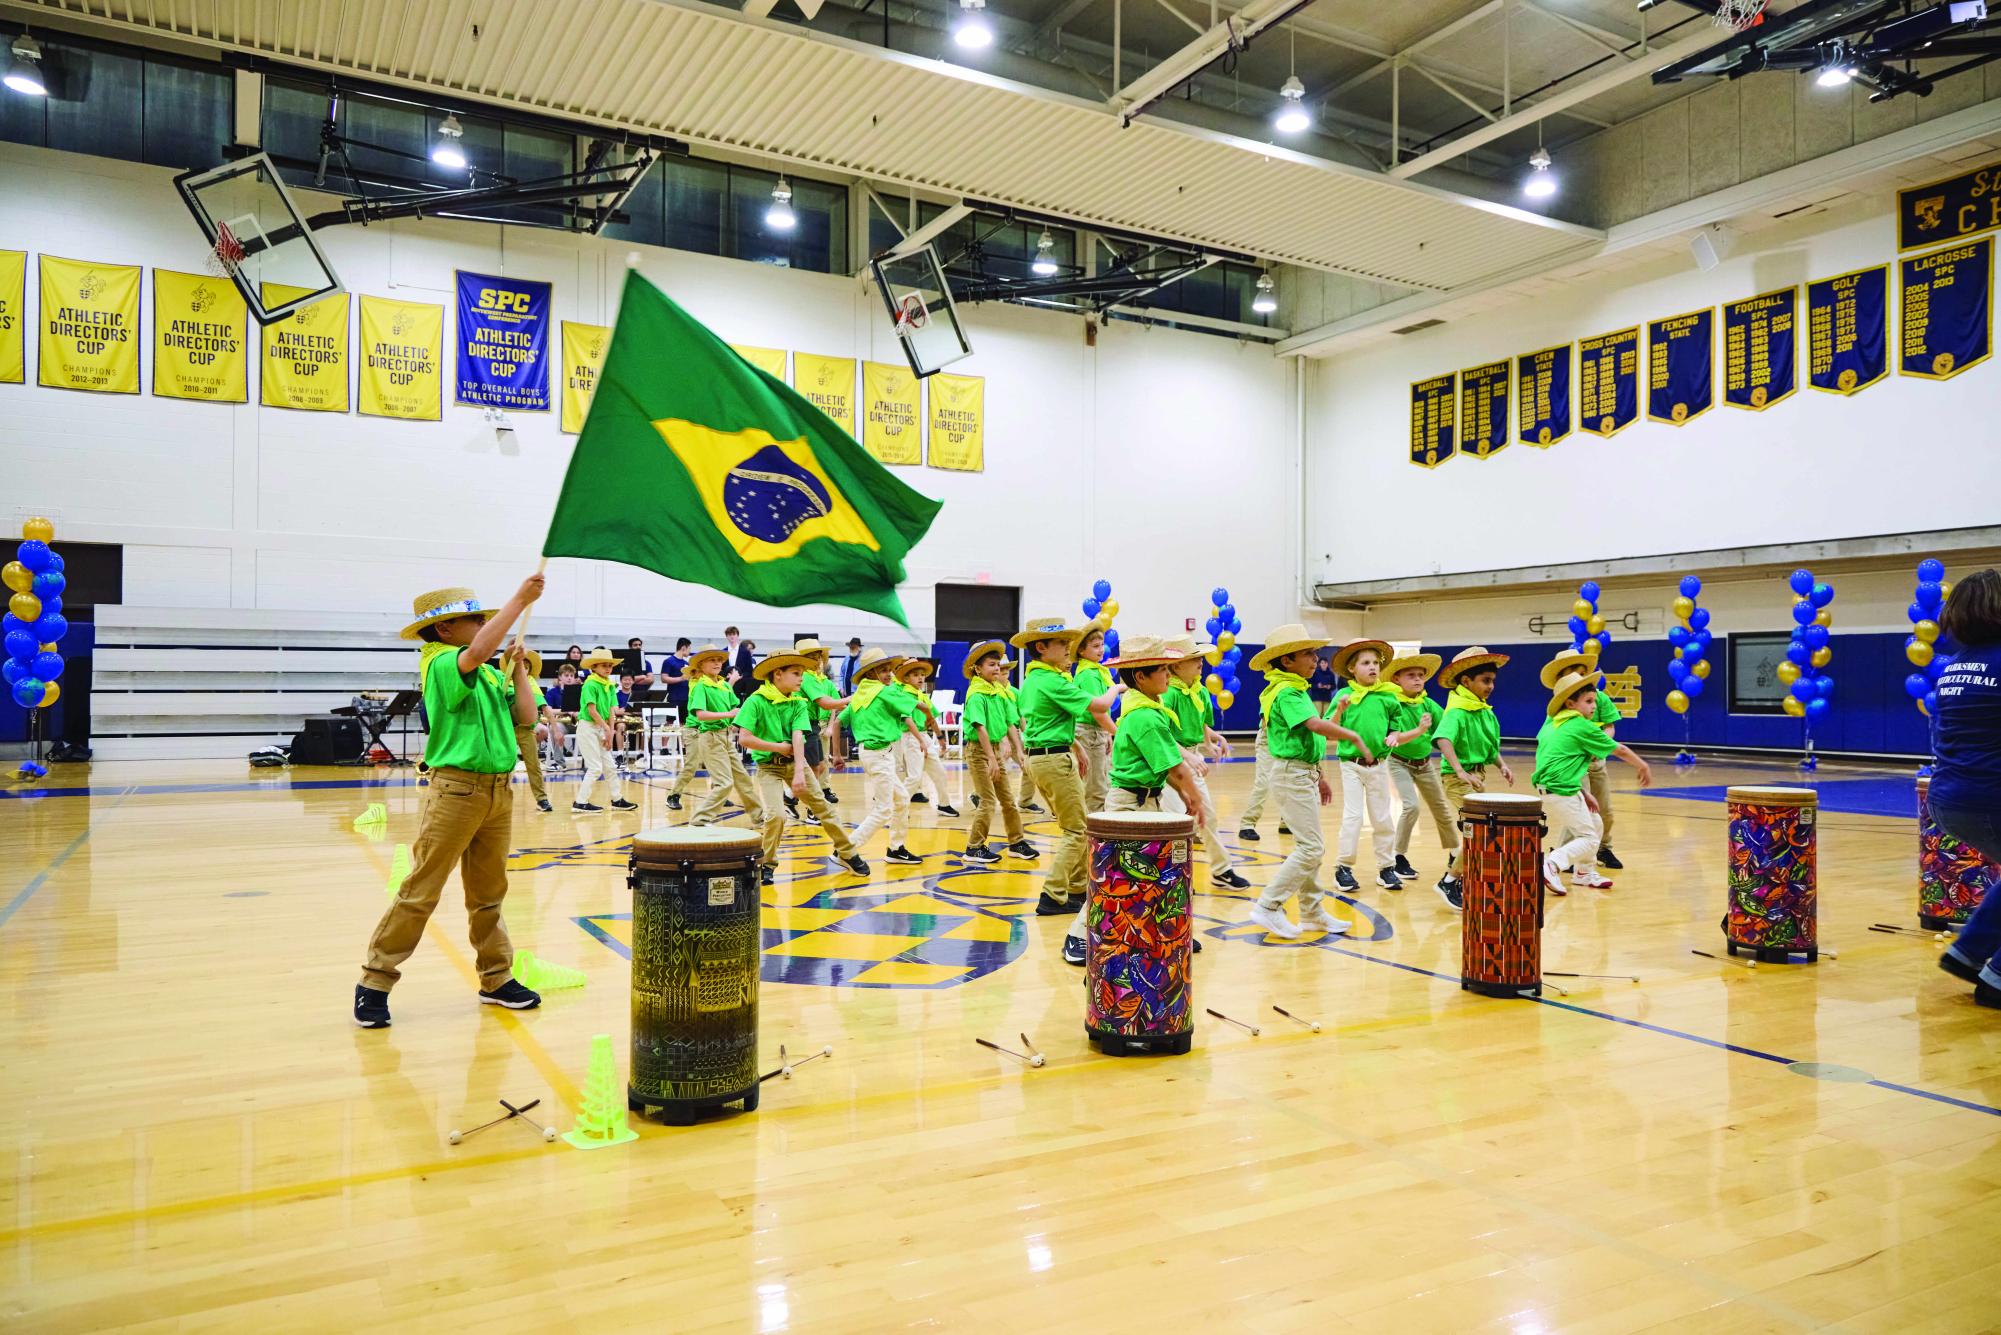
(764, 669)
(1097, 625)
(1562, 666)
(871, 659)
(1429, 662)
(534, 662)
(1045, 628)
(1189, 646)
(596, 656)
(1141, 651)
(812, 649)
(443, 605)
(1469, 660)
(707, 651)
(981, 650)
(1287, 639)
(910, 665)
(1568, 686)
(1344, 657)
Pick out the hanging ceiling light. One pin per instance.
(1044, 264)
(1266, 300)
(1834, 74)
(780, 217)
(24, 68)
(1292, 117)
(972, 30)
(1542, 181)
(448, 151)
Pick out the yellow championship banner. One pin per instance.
(583, 358)
(402, 356)
(828, 383)
(771, 361)
(13, 316)
(958, 422)
(305, 353)
(200, 324)
(90, 326)
(891, 428)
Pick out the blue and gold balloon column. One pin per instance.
(1809, 688)
(1101, 605)
(1223, 626)
(34, 626)
(1588, 632)
(1925, 651)
(1689, 668)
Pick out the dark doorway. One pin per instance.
(975, 612)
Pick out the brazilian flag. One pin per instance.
(697, 465)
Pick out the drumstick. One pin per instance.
(827, 1051)
(1608, 977)
(548, 1132)
(1036, 1060)
(1530, 992)
(1033, 1051)
(1314, 1025)
(783, 1069)
(1749, 964)
(1251, 1029)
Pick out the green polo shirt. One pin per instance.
(876, 713)
(1052, 704)
(814, 686)
(713, 694)
(1191, 712)
(1286, 735)
(600, 692)
(772, 717)
(1408, 715)
(1606, 711)
(1371, 715)
(471, 717)
(1013, 705)
(1096, 679)
(1564, 750)
(1144, 748)
(986, 709)
(1475, 733)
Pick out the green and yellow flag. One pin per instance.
(699, 466)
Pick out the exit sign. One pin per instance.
(1188, 623)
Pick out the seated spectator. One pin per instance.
(573, 657)
(553, 717)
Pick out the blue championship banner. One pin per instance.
(1847, 347)
(1681, 366)
(1542, 389)
(1758, 341)
(1947, 210)
(1946, 310)
(503, 342)
(1608, 381)
(1483, 409)
(1431, 420)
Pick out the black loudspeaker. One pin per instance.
(327, 741)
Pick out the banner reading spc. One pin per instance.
(503, 342)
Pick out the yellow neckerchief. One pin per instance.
(1194, 690)
(1358, 692)
(1137, 699)
(1082, 664)
(1461, 698)
(773, 694)
(1276, 680)
(1039, 666)
(1563, 714)
(866, 690)
(981, 686)
(1007, 690)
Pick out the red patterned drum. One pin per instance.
(1953, 877)
(1139, 989)
(1500, 865)
(1774, 911)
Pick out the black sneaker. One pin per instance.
(1073, 951)
(620, 804)
(1030, 806)
(857, 866)
(1248, 835)
(1048, 906)
(976, 801)
(542, 804)
(983, 855)
(944, 810)
(511, 995)
(585, 807)
(1404, 869)
(1344, 879)
(903, 855)
(792, 807)
(1022, 849)
(1984, 994)
(1959, 968)
(918, 799)
(1283, 830)
(1231, 879)
(371, 1007)
(1387, 879)
(828, 793)
(1452, 892)
(673, 801)
(765, 876)
(1607, 858)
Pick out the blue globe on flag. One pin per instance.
(768, 496)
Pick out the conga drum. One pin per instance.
(1774, 910)
(1500, 866)
(1953, 877)
(1139, 989)
(695, 938)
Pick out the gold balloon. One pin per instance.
(17, 576)
(1594, 623)
(1926, 631)
(1700, 668)
(1110, 609)
(1944, 589)
(1224, 700)
(1922, 710)
(1789, 672)
(49, 648)
(25, 606)
(1214, 683)
(1919, 653)
(1821, 657)
(50, 693)
(1677, 701)
(1215, 657)
(1591, 648)
(1682, 607)
(1794, 707)
(1581, 608)
(1823, 617)
(38, 529)
(1226, 640)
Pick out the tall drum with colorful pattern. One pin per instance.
(1953, 877)
(1774, 910)
(1139, 989)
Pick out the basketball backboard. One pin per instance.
(920, 305)
(257, 237)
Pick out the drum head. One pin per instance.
(1753, 795)
(672, 843)
(1505, 806)
(1139, 825)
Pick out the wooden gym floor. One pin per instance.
(198, 1138)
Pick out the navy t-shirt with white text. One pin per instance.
(1966, 733)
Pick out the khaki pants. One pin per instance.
(1097, 744)
(888, 798)
(531, 757)
(590, 750)
(1456, 789)
(1415, 780)
(774, 785)
(990, 784)
(923, 772)
(1260, 783)
(1295, 786)
(1367, 785)
(714, 752)
(468, 820)
(694, 747)
(1027, 792)
(1056, 775)
(1212, 842)
(1575, 829)
(1601, 792)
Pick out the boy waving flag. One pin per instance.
(698, 466)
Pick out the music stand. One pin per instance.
(401, 707)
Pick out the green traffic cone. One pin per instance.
(601, 1121)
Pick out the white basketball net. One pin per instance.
(1738, 14)
(226, 254)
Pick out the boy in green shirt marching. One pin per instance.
(1053, 702)
(1188, 700)
(1412, 770)
(1094, 740)
(1468, 737)
(992, 731)
(879, 715)
(1370, 707)
(712, 708)
(468, 815)
(825, 703)
(1564, 750)
(774, 720)
(1606, 715)
(923, 765)
(596, 714)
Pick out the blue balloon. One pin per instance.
(1803, 691)
(21, 645)
(1091, 606)
(1692, 687)
(52, 607)
(34, 555)
(1677, 669)
(1801, 581)
(1935, 667)
(12, 670)
(1102, 590)
(56, 564)
(1233, 655)
(1232, 685)
(1799, 654)
(1803, 613)
(1228, 613)
(1916, 685)
(49, 628)
(49, 584)
(1218, 596)
(1578, 626)
(47, 666)
(1588, 591)
(1213, 626)
(1816, 710)
(1822, 595)
(1677, 636)
(1931, 703)
(1931, 595)
(1915, 613)
(1236, 623)
(1698, 618)
(1816, 637)
(1931, 569)
(1823, 686)
(28, 692)
(1690, 586)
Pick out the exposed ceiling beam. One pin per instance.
(1050, 26)
(1478, 110)
(1626, 48)
(1232, 34)
(1432, 38)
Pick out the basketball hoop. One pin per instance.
(911, 313)
(1739, 15)
(226, 254)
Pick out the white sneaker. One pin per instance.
(1590, 879)
(1319, 919)
(1552, 876)
(1274, 922)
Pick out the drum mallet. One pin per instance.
(1314, 1025)
(512, 1112)
(1749, 964)
(827, 1051)
(1023, 1057)
(1250, 1029)
(548, 1132)
(1033, 1051)
(1531, 992)
(1603, 977)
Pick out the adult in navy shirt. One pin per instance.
(674, 673)
(1966, 776)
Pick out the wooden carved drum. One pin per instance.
(1500, 867)
(1138, 984)
(1774, 901)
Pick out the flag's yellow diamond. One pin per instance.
(766, 497)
